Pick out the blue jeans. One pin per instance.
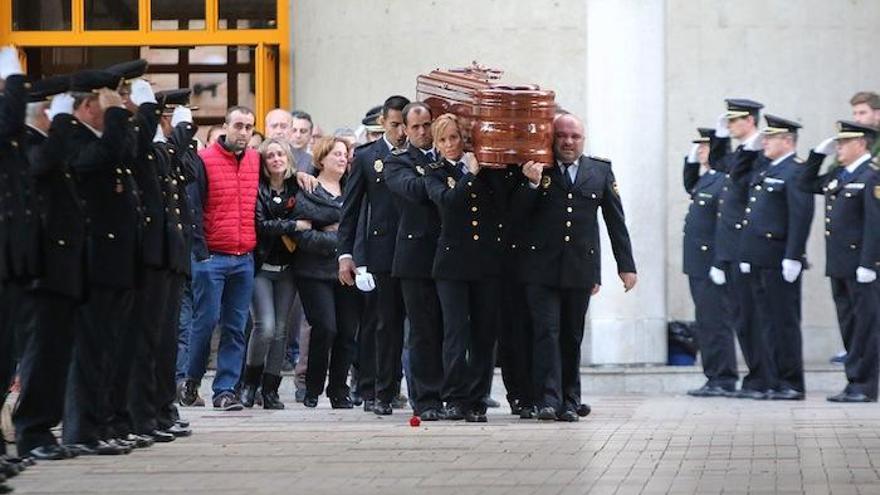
(222, 288)
(186, 314)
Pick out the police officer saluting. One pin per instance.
(851, 268)
(561, 267)
(717, 348)
(773, 250)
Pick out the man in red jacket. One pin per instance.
(224, 198)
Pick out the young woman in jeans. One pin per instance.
(274, 289)
(330, 307)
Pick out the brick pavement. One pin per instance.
(629, 445)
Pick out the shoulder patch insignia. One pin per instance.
(615, 187)
(601, 159)
(450, 182)
(420, 169)
(378, 166)
(832, 184)
(545, 181)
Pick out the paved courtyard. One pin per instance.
(629, 445)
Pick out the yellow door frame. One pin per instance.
(264, 39)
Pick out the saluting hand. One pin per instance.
(533, 171)
(629, 280)
(107, 98)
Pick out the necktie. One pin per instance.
(430, 156)
(566, 176)
(843, 175)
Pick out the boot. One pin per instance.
(251, 382)
(270, 392)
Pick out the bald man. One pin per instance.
(279, 125)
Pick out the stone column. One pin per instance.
(625, 122)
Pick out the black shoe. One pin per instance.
(369, 404)
(707, 391)
(515, 407)
(453, 413)
(300, 395)
(568, 416)
(227, 401)
(140, 441)
(310, 401)
(584, 410)
(188, 394)
(343, 402)
(356, 398)
(5, 488)
(24, 462)
(527, 412)
(159, 436)
(122, 442)
(400, 401)
(747, 393)
(430, 415)
(786, 394)
(490, 402)
(179, 431)
(547, 414)
(382, 408)
(474, 416)
(52, 452)
(182, 423)
(851, 397)
(9, 470)
(98, 448)
(270, 392)
(250, 383)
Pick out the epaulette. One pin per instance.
(599, 158)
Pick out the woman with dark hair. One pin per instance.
(331, 308)
(274, 289)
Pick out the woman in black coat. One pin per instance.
(274, 289)
(331, 308)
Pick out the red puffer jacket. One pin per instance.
(231, 201)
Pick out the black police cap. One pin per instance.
(49, 86)
(129, 70)
(87, 81)
(847, 129)
(779, 125)
(741, 107)
(174, 97)
(705, 134)
(372, 116)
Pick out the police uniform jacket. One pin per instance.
(367, 182)
(147, 174)
(871, 252)
(778, 217)
(471, 228)
(316, 250)
(740, 166)
(561, 243)
(275, 219)
(103, 168)
(699, 224)
(177, 155)
(846, 226)
(406, 172)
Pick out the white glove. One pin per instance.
(181, 114)
(865, 275)
(827, 147)
(10, 65)
(694, 155)
(62, 103)
(141, 92)
(721, 127)
(364, 279)
(717, 275)
(791, 270)
(754, 143)
(160, 136)
(745, 267)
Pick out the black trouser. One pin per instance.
(365, 362)
(778, 304)
(135, 405)
(857, 315)
(739, 311)
(15, 326)
(715, 335)
(469, 325)
(104, 321)
(166, 354)
(558, 316)
(389, 336)
(44, 370)
(515, 342)
(333, 312)
(425, 343)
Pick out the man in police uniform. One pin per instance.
(367, 184)
(561, 268)
(741, 122)
(717, 347)
(851, 268)
(773, 250)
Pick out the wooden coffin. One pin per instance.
(504, 124)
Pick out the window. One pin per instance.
(41, 15)
(177, 15)
(111, 14)
(248, 14)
